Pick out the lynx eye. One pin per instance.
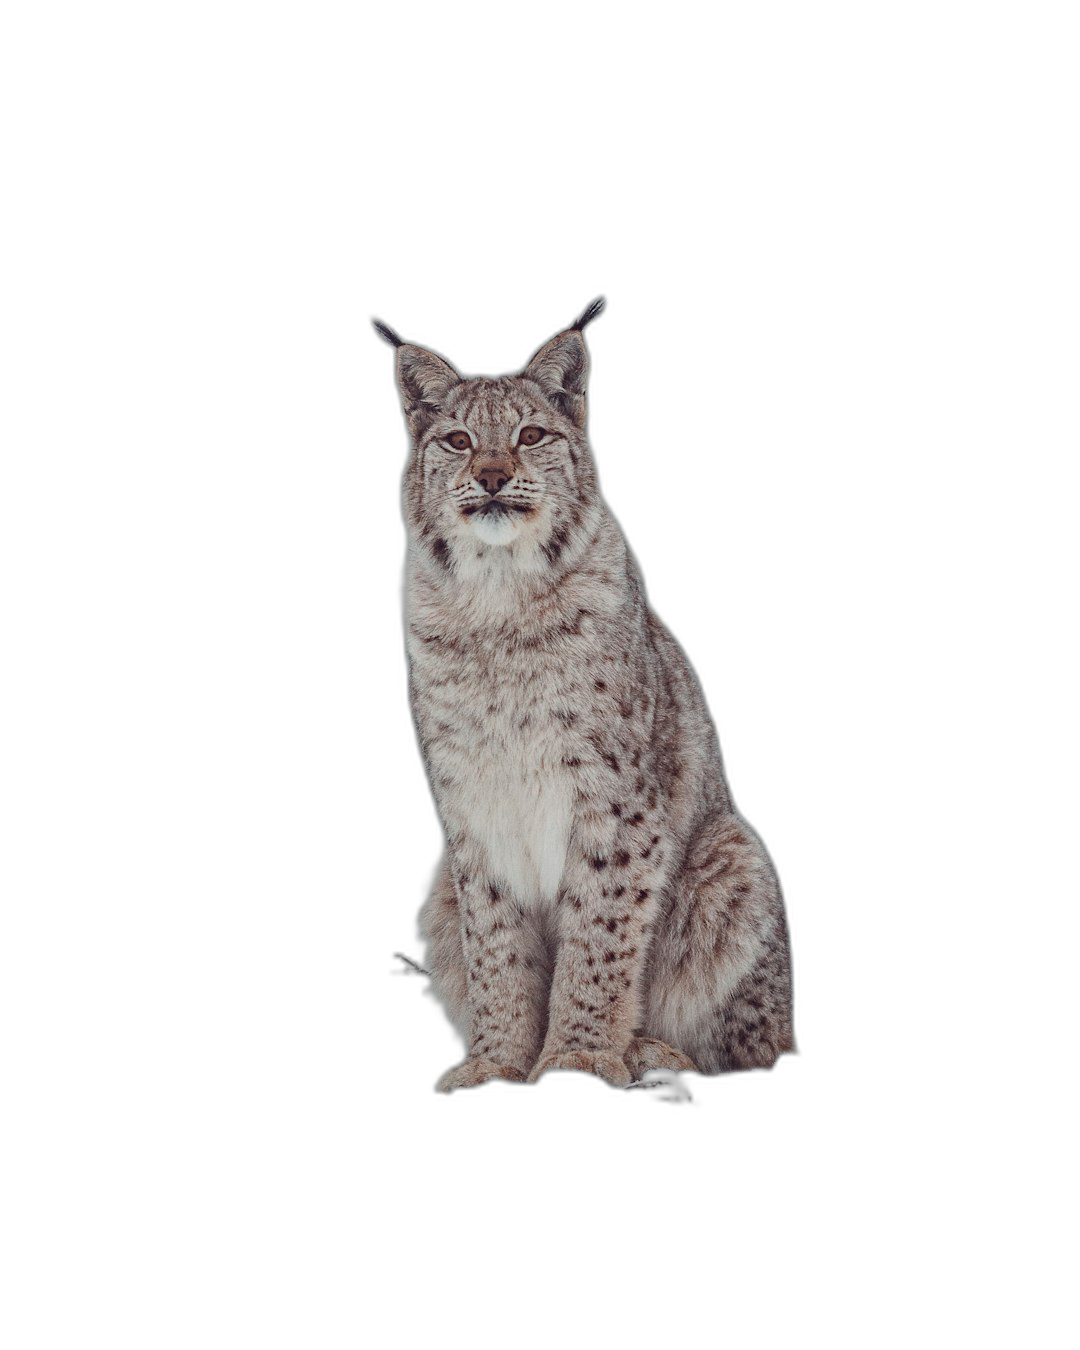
(459, 440)
(530, 435)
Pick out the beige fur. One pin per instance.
(601, 906)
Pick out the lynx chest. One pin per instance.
(498, 770)
(516, 800)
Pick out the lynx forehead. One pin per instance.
(601, 905)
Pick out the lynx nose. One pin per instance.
(492, 477)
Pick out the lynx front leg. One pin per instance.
(596, 996)
(506, 984)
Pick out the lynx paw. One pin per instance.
(474, 1072)
(647, 1052)
(604, 1063)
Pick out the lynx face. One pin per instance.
(499, 466)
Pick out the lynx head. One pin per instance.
(497, 464)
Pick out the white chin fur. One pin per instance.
(495, 530)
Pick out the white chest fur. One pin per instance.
(517, 806)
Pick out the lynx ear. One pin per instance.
(561, 365)
(559, 368)
(424, 380)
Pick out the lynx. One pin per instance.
(601, 905)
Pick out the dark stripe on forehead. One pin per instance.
(420, 479)
(489, 400)
(465, 408)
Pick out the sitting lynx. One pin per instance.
(601, 905)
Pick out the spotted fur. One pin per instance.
(601, 905)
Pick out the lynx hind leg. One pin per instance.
(440, 928)
(756, 1027)
(647, 1052)
(719, 985)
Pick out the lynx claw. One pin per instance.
(474, 1072)
(604, 1063)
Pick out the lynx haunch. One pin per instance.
(601, 905)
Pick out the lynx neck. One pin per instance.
(494, 592)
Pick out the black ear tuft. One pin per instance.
(590, 314)
(387, 333)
